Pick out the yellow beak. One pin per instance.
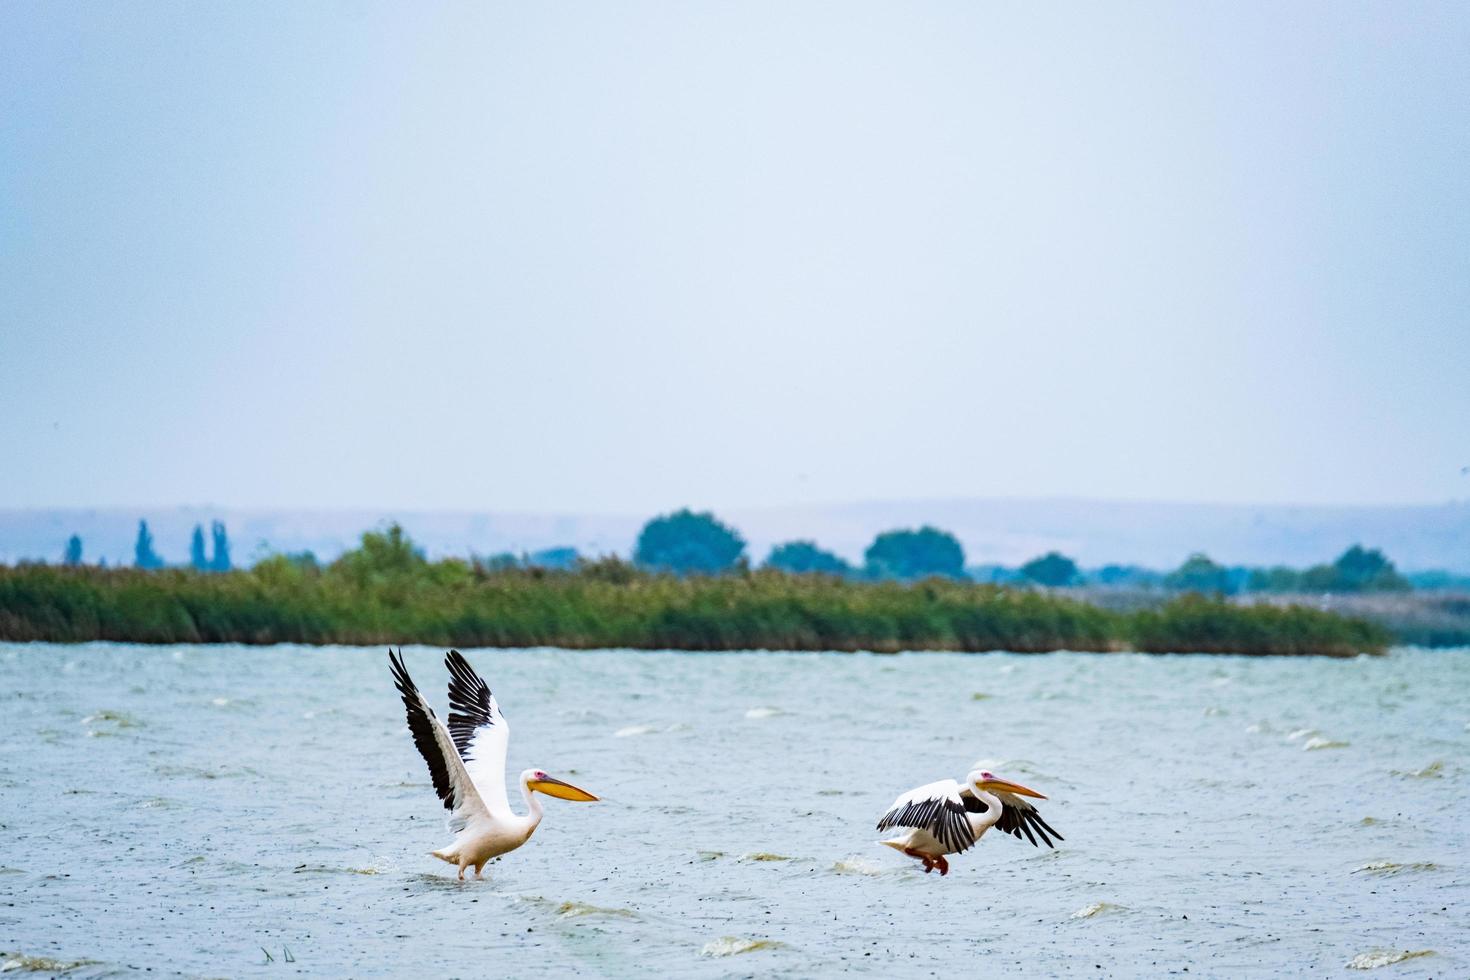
(561, 790)
(1006, 786)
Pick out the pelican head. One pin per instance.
(983, 779)
(539, 781)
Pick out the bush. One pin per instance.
(385, 592)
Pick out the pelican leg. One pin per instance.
(480, 870)
(928, 861)
(461, 871)
(942, 865)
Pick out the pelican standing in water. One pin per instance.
(467, 763)
(948, 817)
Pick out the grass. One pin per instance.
(395, 599)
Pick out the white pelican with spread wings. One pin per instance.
(948, 817)
(467, 764)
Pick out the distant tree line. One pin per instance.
(387, 591)
(686, 543)
(148, 559)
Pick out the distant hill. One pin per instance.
(1094, 532)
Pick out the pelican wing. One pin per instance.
(1017, 815)
(480, 731)
(451, 781)
(937, 808)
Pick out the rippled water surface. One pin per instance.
(224, 811)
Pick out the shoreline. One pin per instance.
(776, 651)
(604, 607)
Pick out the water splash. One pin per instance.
(1389, 868)
(577, 910)
(1318, 742)
(40, 964)
(857, 866)
(1373, 959)
(734, 945)
(1096, 908)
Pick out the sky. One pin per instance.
(594, 257)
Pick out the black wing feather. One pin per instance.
(422, 728)
(469, 702)
(942, 817)
(1016, 820)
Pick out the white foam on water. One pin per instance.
(858, 866)
(1318, 742)
(1373, 959)
(734, 945)
(1096, 908)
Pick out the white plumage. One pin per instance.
(948, 817)
(467, 764)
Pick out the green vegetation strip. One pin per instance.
(368, 599)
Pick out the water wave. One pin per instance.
(1373, 959)
(858, 866)
(1387, 868)
(119, 718)
(1318, 742)
(576, 910)
(1096, 908)
(734, 945)
(19, 962)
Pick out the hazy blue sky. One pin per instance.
(621, 257)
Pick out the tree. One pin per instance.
(908, 555)
(501, 561)
(1278, 578)
(992, 574)
(73, 555)
(382, 556)
(1053, 569)
(220, 561)
(687, 543)
(1198, 574)
(562, 559)
(802, 557)
(1125, 576)
(143, 554)
(196, 550)
(1367, 570)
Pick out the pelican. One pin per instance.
(947, 817)
(467, 763)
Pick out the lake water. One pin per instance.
(193, 810)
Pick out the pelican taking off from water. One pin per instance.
(948, 817)
(467, 763)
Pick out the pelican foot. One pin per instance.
(942, 865)
(929, 862)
